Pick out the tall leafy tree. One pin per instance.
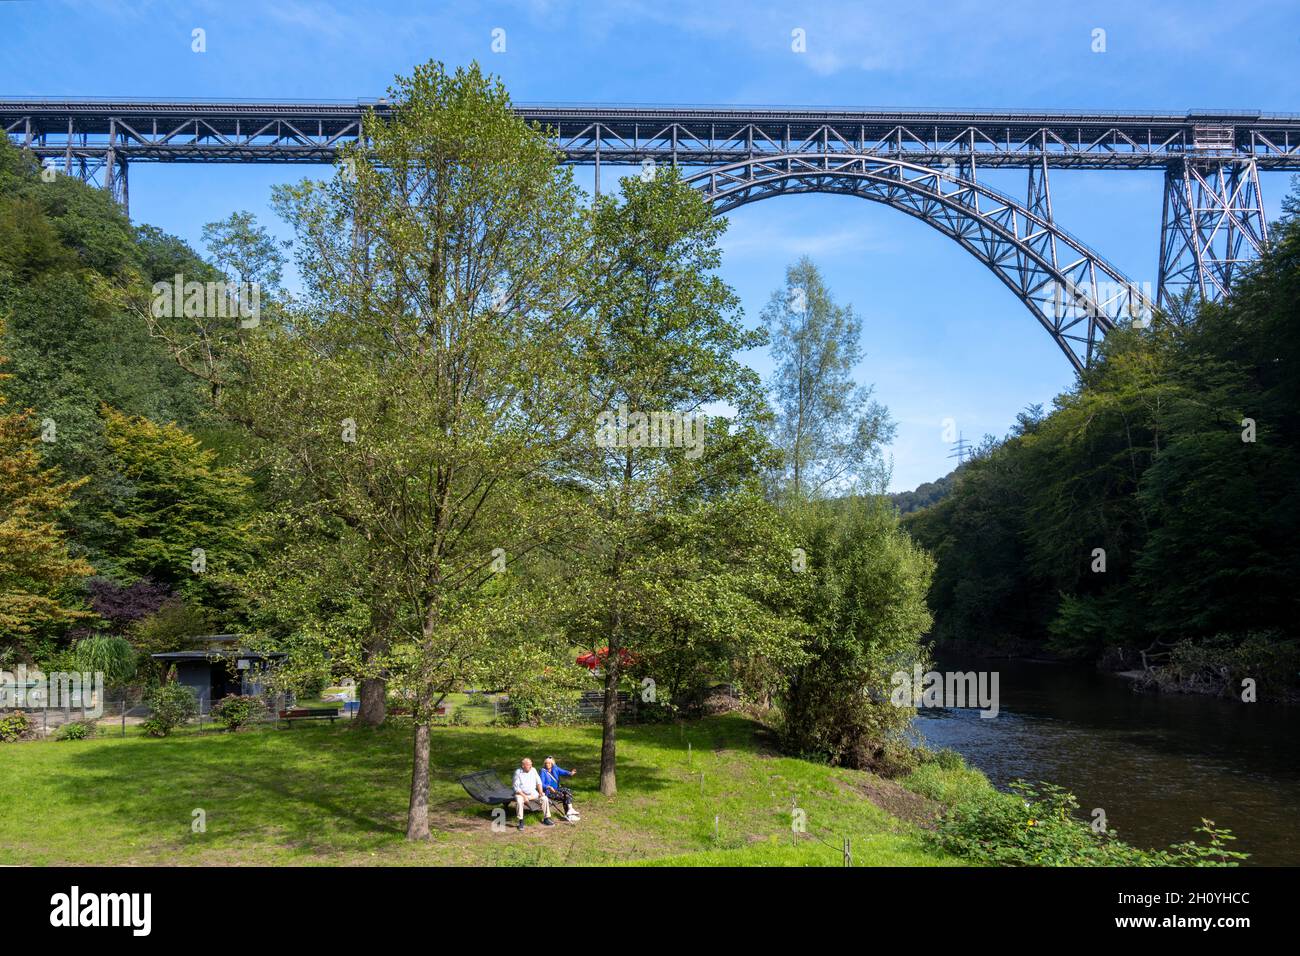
(415, 402)
(828, 428)
(244, 251)
(183, 519)
(668, 335)
(68, 258)
(38, 573)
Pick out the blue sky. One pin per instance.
(943, 338)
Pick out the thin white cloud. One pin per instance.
(748, 240)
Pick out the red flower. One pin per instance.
(594, 659)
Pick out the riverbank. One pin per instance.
(1254, 671)
(1154, 764)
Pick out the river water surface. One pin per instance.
(1155, 764)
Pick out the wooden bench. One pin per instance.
(303, 713)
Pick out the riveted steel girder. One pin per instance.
(269, 131)
(1076, 295)
(1213, 216)
(1214, 224)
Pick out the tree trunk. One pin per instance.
(610, 721)
(609, 712)
(374, 690)
(417, 817)
(374, 705)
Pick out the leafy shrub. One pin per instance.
(168, 628)
(113, 656)
(1037, 826)
(75, 730)
(864, 602)
(537, 703)
(949, 786)
(59, 661)
(237, 710)
(123, 605)
(656, 712)
(14, 727)
(1218, 666)
(887, 756)
(947, 759)
(313, 684)
(172, 705)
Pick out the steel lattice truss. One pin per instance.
(1073, 292)
(1214, 223)
(924, 163)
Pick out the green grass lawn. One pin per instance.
(337, 795)
(475, 708)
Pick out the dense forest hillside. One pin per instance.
(925, 494)
(1154, 510)
(108, 489)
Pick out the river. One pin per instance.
(1155, 764)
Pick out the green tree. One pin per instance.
(415, 403)
(183, 518)
(244, 251)
(659, 473)
(723, 602)
(829, 430)
(866, 612)
(68, 256)
(37, 572)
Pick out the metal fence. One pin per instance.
(118, 712)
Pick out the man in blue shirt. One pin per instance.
(551, 772)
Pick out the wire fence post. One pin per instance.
(848, 852)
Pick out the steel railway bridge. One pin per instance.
(926, 163)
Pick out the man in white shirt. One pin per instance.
(529, 794)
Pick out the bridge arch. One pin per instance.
(1075, 294)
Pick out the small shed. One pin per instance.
(219, 669)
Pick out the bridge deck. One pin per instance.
(204, 131)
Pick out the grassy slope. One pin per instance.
(337, 795)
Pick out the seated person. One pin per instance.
(551, 773)
(529, 794)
